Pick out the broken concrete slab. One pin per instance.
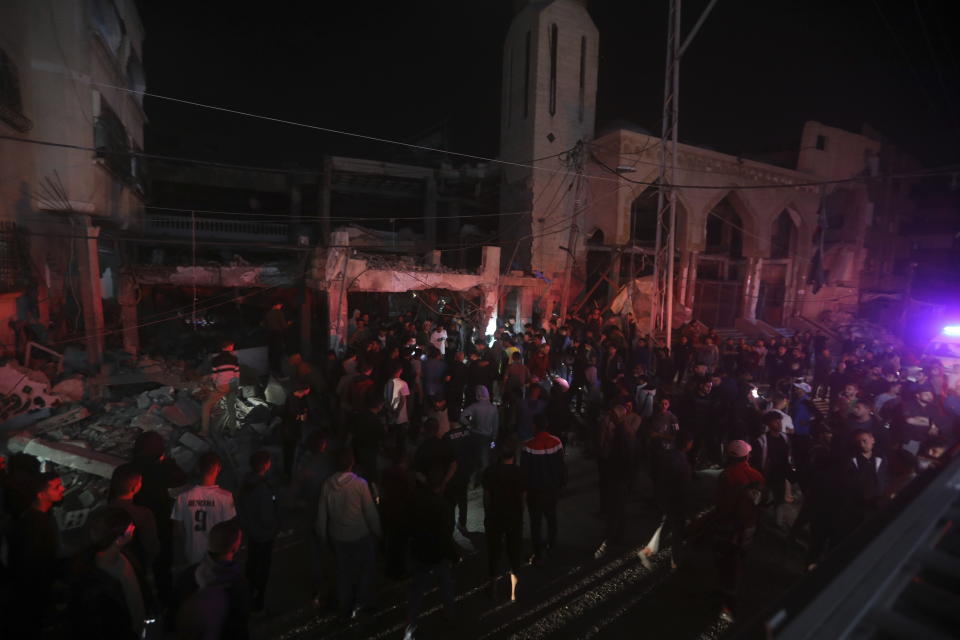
(184, 457)
(61, 420)
(194, 442)
(148, 422)
(74, 457)
(183, 413)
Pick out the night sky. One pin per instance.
(756, 72)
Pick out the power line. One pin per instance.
(315, 127)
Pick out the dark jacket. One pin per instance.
(543, 461)
(257, 508)
(429, 526)
(214, 600)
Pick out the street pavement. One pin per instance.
(574, 595)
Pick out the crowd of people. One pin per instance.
(382, 443)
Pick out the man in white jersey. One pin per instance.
(198, 509)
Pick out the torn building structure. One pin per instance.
(570, 210)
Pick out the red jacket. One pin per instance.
(734, 505)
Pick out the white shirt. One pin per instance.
(785, 420)
(395, 389)
(198, 510)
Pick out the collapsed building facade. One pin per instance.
(566, 220)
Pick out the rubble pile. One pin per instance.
(85, 426)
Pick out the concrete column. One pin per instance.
(684, 275)
(490, 285)
(128, 313)
(614, 275)
(306, 324)
(91, 297)
(527, 295)
(692, 278)
(325, 193)
(430, 212)
(751, 288)
(335, 275)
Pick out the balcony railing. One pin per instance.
(217, 229)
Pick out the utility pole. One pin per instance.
(661, 312)
(577, 161)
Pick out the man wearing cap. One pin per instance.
(739, 489)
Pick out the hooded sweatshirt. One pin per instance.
(482, 416)
(218, 601)
(346, 512)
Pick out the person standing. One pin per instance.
(438, 339)
(107, 599)
(296, 414)
(616, 461)
(224, 379)
(348, 518)
(160, 475)
(432, 548)
(199, 509)
(546, 476)
(504, 488)
(672, 490)
(34, 549)
(772, 455)
(483, 420)
(864, 483)
(260, 517)
(396, 399)
(276, 324)
(215, 597)
(125, 483)
(460, 441)
(456, 385)
(739, 490)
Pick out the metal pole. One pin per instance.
(675, 117)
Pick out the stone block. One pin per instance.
(74, 457)
(148, 422)
(144, 401)
(275, 394)
(184, 457)
(162, 395)
(194, 442)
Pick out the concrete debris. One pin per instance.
(162, 396)
(184, 457)
(148, 422)
(275, 393)
(184, 412)
(144, 401)
(24, 390)
(71, 389)
(74, 457)
(194, 442)
(24, 420)
(61, 420)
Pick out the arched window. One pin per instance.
(724, 231)
(643, 218)
(554, 31)
(11, 107)
(782, 236)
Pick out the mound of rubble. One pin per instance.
(84, 427)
